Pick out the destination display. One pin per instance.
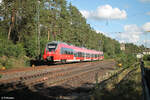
(51, 46)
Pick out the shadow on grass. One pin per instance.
(125, 91)
(128, 89)
(39, 92)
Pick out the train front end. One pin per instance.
(50, 51)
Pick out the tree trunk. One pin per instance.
(9, 31)
(12, 23)
(48, 33)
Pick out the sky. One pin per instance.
(124, 20)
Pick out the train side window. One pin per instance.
(92, 55)
(76, 54)
(84, 55)
(88, 55)
(66, 52)
(71, 52)
(62, 50)
(79, 54)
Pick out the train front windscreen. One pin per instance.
(51, 47)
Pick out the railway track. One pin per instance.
(55, 75)
(27, 73)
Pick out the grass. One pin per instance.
(11, 62)
(147, 64)
(123, 87)
(0, 76)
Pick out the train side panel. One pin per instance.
(58, 52)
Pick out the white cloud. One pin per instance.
(105, 12)
(148, 13)
(146, 43)
(134, 34)
(97, 31)
(146, 26)
(145, 0)
(131, 33)
(85, 13)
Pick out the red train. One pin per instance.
(62, 52)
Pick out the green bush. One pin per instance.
(43, 45)
(6, 63)
(27, 61)
(7, 48)
(126, 59)
(30, 46)
(146, 57)
(14, 50)
(106, 56)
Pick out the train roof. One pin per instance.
(81, 49)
